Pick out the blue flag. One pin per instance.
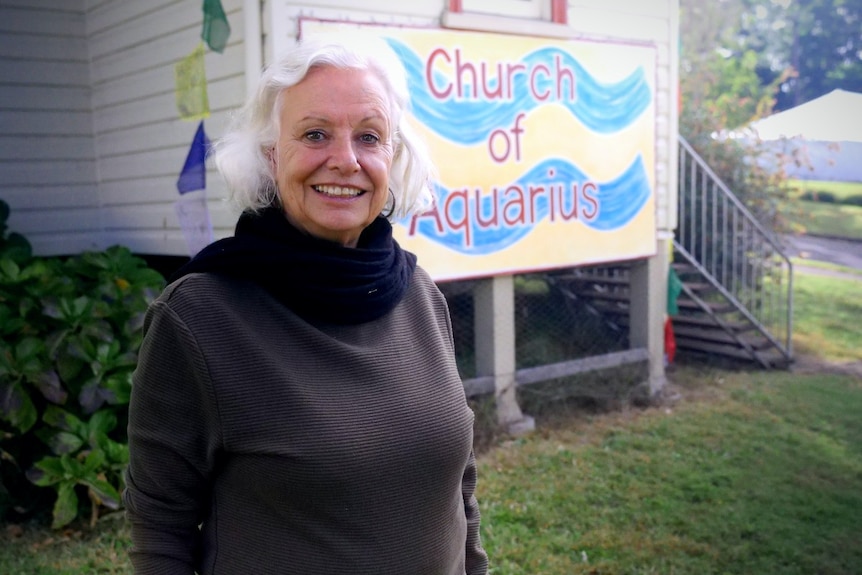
(194, 174)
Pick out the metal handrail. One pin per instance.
(734, 250)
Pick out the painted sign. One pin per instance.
(545, 150)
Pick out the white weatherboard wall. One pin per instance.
(141, 143)
(91, 144)
(48, 171)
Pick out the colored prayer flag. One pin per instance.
(194, 218)
(191, 86)
(216, 29)
(194, 174)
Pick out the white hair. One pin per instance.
(241, 155)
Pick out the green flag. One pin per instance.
(216, 29)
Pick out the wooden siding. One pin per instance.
(47, 157)
(140, 141)
(91, 144)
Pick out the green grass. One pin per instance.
(747, 473)
(841, 190)
(762, 476)
(827, 317)
(819, 218)
(75, 551)
(806, 263)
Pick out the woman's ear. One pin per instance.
(272, 158)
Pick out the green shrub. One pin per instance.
(854, 200)
(818, 196)
(71, 329)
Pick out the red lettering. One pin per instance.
(499, 158)
(511, 70)
(537, 191)
(585, 190)
(460, 68)
(464, 224)
(432, 213)
(561, 74)
(429, 79)
(533, 89)
(553, 196)
(493, 220)
(518, 203)
(499, 91)
(573, 214)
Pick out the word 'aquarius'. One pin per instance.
(466, 212)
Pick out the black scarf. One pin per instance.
(317, 279)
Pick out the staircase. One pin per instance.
(736, 298)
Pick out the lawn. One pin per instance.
(735, 473)
(747, 473)
(827, 313)
(841, 190)
(834, 220)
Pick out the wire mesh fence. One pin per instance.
(551, 327)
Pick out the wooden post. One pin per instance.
(494, 305)
(647, 312)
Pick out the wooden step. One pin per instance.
(704, 320)
(611, 309)
(589, 279)
(685, 303)
(716, 334)
(771, 357)
(700, 287)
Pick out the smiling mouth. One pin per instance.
(338, 191)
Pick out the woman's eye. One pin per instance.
(314, 135)
(369, 138)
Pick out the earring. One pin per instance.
(390, 204)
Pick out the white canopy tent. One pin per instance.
(834, 117)
(827, 129)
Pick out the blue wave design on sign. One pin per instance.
(602, 107)
(619, 201)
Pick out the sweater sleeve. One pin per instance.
(476, 560)
(173, 440)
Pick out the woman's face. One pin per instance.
(334, 152)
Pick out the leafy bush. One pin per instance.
(818, 196)
(71, 329)
(854, 200)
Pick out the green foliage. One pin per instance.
(812, 196)
(721, 90)
(71, 329)
(817, 40)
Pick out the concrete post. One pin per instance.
(494, 305)
(648, 310)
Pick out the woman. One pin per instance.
(297, 407)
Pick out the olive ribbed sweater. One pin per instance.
(299, 448)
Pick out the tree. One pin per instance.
(720, 84)
(820, 41)
(721, 88)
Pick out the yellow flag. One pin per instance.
(191, 86)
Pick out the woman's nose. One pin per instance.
(342, 156)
